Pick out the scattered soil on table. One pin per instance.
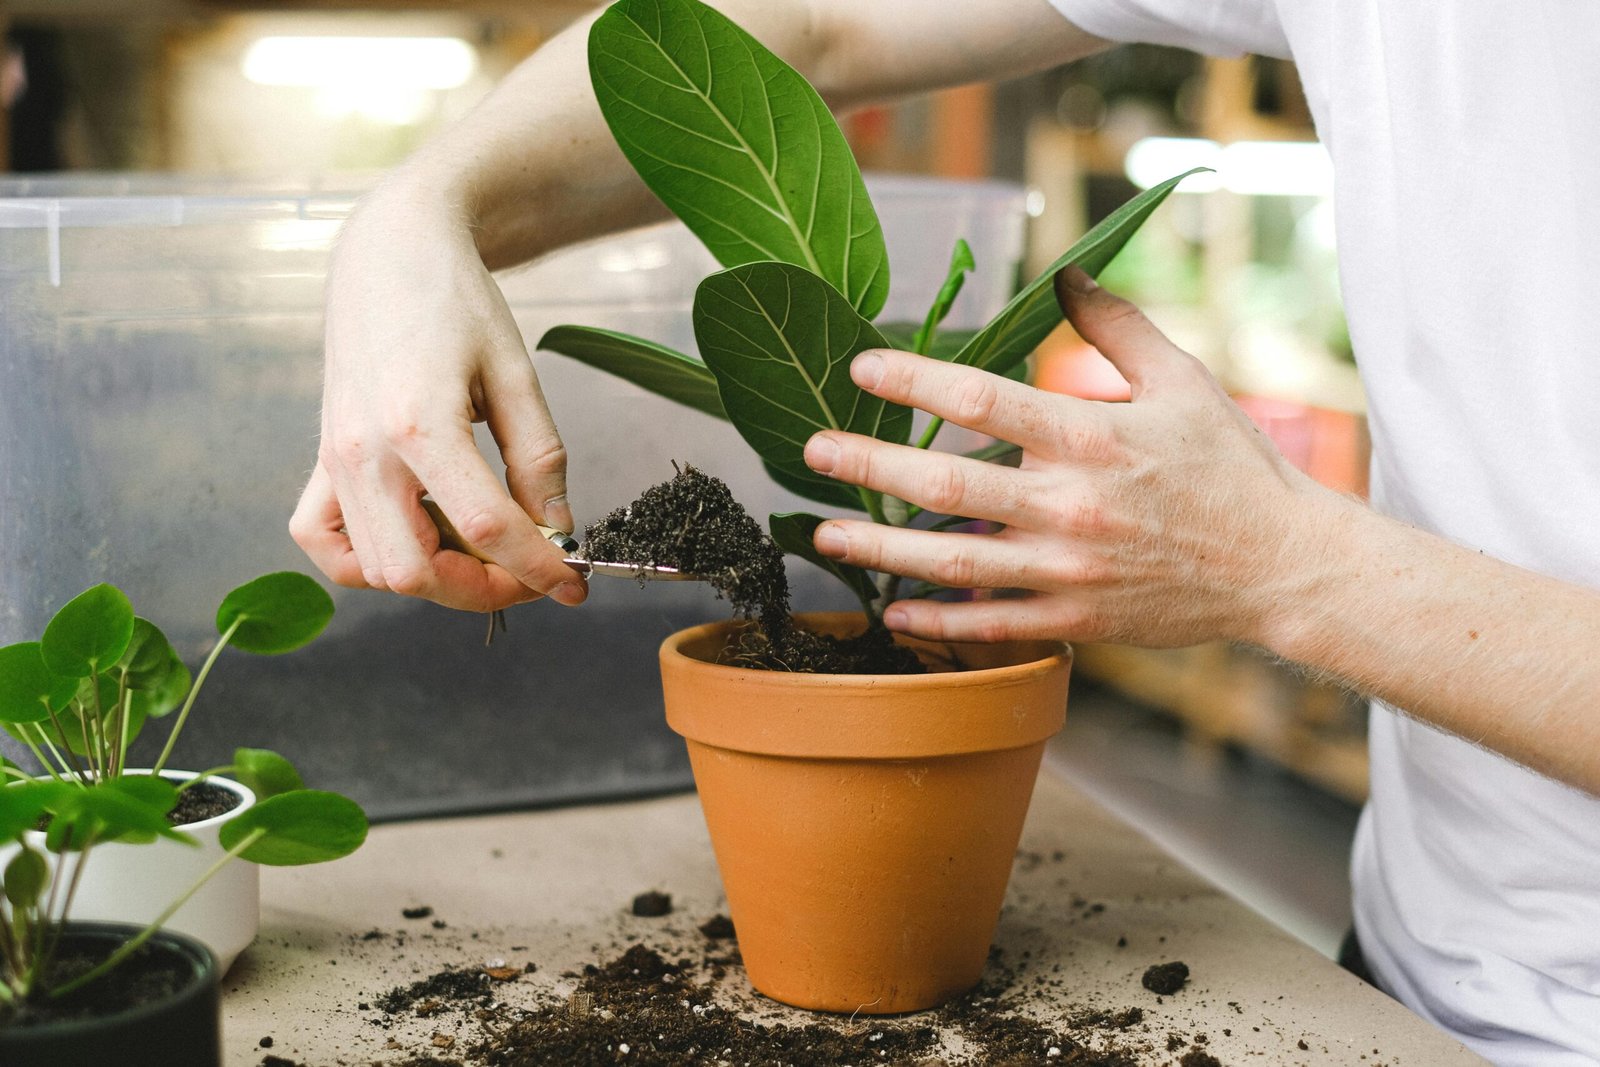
(1165, 978)
(652, 905)
(692, 522)
(643, 1007)
(421, 912)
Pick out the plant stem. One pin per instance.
(194, 691)
(69, 761)
(874, 505)
(931, 432)
(203, 775)
(16, 772)
(33, 746)
(130, 946)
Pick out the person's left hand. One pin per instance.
(1162, 522)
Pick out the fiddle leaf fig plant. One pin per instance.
(742, 149)
(78, 698)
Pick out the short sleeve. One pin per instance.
(1216, 27)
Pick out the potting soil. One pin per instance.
(693, 523)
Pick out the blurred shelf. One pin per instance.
(1231, 695)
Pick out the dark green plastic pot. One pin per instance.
(185, 1028)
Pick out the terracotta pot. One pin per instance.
(182, 1028)
(865, 825)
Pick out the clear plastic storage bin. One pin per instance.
(160, 379)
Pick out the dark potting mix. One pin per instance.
(693, 523)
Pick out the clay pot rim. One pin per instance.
(862, 716)
(1050, 654)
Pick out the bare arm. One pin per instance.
(1172, 520)
(420, 343)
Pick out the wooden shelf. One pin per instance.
(1226, 694)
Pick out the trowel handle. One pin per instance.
(451, 538)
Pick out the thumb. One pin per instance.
(1140, 352)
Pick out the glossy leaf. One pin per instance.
(644, 363)
(961, 262)
(89, 633)
(747, 154)
(279, 612)
(265, 773)
(150, 656)
(1033, 313)
(127, 809)
(835, 494)
(165, 696)
(780, 339)
(26, 878)
(307, 826)
(29, 691)
(793, 532)
(22, 803)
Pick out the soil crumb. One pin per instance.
(200, 802)
(652, 905)
(644, 1008)
(416, 913)
(693, 523)
(717, 928)
(1165, 978)
(1198, 1057)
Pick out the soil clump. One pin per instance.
(693, 523)
(1165, 978)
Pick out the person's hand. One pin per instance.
(1162, 522)
(420, 345)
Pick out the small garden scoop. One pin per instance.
(451, 538)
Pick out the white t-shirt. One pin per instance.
(1466, 145)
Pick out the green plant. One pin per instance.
(78, 698)
(742, 149)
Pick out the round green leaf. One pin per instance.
(26, 877)
(127, 809)
(165, 695)
(279, 613)
(308, 826)
(28, 689)
(149, 657)
(21, 804)
(264, 772)
(89, 633)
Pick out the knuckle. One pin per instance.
(946, 489)
(348, 451)
(546, 454)
(485, 527)
(1086, 515)
(404, 430)
(958, 568)
(993, 630)
(976, 399)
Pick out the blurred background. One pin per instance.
(174, 172)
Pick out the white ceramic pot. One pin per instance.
(136, 883)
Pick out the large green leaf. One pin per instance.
(780, 340)
(29, 691)
(644, 363)
(793, 532)
(736, 143)
(265, 773)
(307, 826)
(835, 494)
(1033, 313)
(22, 803)
(89, 633)
(276, 613)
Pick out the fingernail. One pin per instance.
(822, 454)
(866, 370)
(569, 593)
(1079, 281)
(894, 617)
(558, 513)
(830, 540)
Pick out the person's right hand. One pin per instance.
(420, 345)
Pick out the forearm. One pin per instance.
(534, 166)
(1501, 656)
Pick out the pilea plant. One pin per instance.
(741, 148)
(78, 698)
